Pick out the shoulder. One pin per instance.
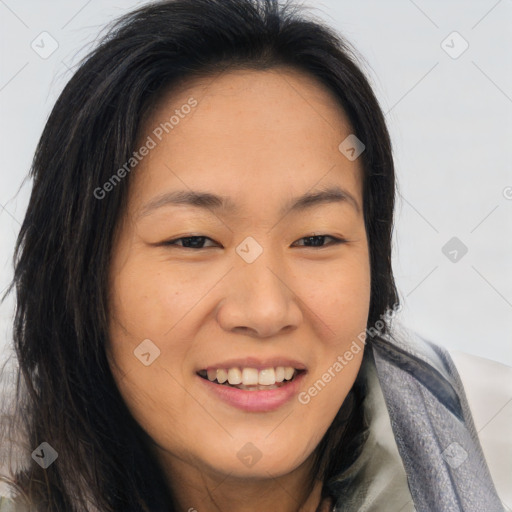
(10, 500)
(488, 388)
(13, 450)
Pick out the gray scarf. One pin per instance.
(433, 427)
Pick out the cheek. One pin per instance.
(148, 303)
(149, 297)
(339, 295)
(341, 302)
(145, 304)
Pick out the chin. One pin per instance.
(255, 459)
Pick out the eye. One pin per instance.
(318, 240)
(189, 242)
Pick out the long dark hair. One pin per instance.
(66, 394)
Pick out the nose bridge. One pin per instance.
(262, 281)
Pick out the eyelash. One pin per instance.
(336, 241)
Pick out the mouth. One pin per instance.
(251, 379)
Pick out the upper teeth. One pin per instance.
(251, 376)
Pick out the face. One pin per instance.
(255, 282)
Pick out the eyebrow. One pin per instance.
(210, 201)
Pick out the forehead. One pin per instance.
(281, 100)
(269, 132)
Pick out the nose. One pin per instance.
(259, 300)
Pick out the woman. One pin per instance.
(204, 285)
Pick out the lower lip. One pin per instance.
(255, 401)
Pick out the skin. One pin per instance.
(261, 138)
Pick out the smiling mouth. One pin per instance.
(249, 379)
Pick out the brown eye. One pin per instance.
(189, 242)
(318, 240)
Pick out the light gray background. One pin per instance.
(450, 120)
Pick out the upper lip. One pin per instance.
(257, 363)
